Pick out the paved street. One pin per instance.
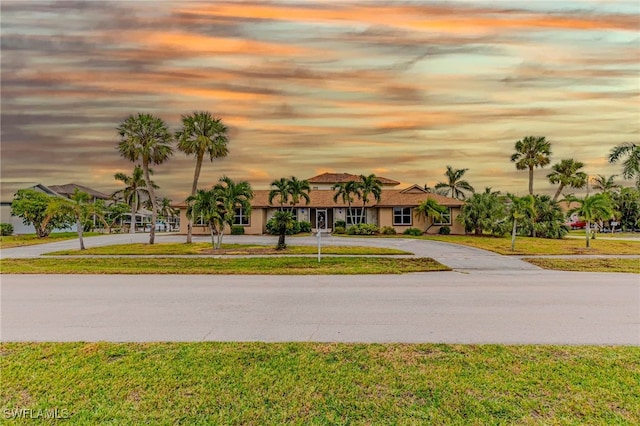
(488, 298)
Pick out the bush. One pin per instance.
(6, 229)
(363, 229)
(237, 230)
(444, 230)
(339, 230)
(413, 231)
(305, 226)
(388, 230)
(295, 227)
(340, 224)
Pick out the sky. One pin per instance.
(400, 89)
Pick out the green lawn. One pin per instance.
(541, 246)
(226, 249)
(588, 265)
(319, 384)
(234, 266)
(32, 239)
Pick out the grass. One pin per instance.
(213, 266)
(588, 265)
(226, 249)
(318, 384)
(541, 246)
(32, 239)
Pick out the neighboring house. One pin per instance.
(396, 208)
(65, 191)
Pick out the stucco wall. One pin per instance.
(386, 219)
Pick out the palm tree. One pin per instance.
(77, 206)
(455, 186)
(368, 185)
(520, 208)
(595, 207)
(567, 173)
(206, 204)
(483, 211)
(605, 184)
(630, 166)
(280, 190)
(146, 138)
(283, 222)
(430, 208)
(136, 187)
(232, 196)
(531, 151)
(346, 191)
(201, 134)
(298, 189)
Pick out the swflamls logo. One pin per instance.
(29, 413)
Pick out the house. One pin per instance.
(396, 208)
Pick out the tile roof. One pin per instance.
(346, 177)
(390, 198)
(68, 189)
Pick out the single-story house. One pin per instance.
(396, 208)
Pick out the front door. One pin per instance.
(321, 219)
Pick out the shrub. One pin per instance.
(444, 230)
(340, 224)
(339, 230)
(295, 227)
(413, 231)
(6, 229)
(363, 229)
(388, 230)
(305, 226)
(237, 230)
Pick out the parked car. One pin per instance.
(578, 224)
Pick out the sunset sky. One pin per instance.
(399, 89)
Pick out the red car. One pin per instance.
(578, 224)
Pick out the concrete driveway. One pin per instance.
(489, 298)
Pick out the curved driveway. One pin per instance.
(487, 299)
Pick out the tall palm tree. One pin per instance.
(590, 209)
(280, 190)
(631, 165)
(298, 189)
(133, 192)
(531, 151)
(430, 208)
(368, 185)
(146, 138)
(455, 187)
(605, 184)
(78, 206)
(206, 204)
(201, 134)
(232, 196)
(567, 173)
(345, 191)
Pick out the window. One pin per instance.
(446, 218)
(199, 221)
(402, 216)
(240, 217)
(354, 216)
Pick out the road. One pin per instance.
(488, 298)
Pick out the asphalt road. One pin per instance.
(487, 299)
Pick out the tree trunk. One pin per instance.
(557, 194)
(513, 235)
(530, 180)
(220, 235)
(152, 196)
(213, 241)
(194, 188)
(587, 232)
(362, 217)
(281, 239)
(79, 226)
(132, 226)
